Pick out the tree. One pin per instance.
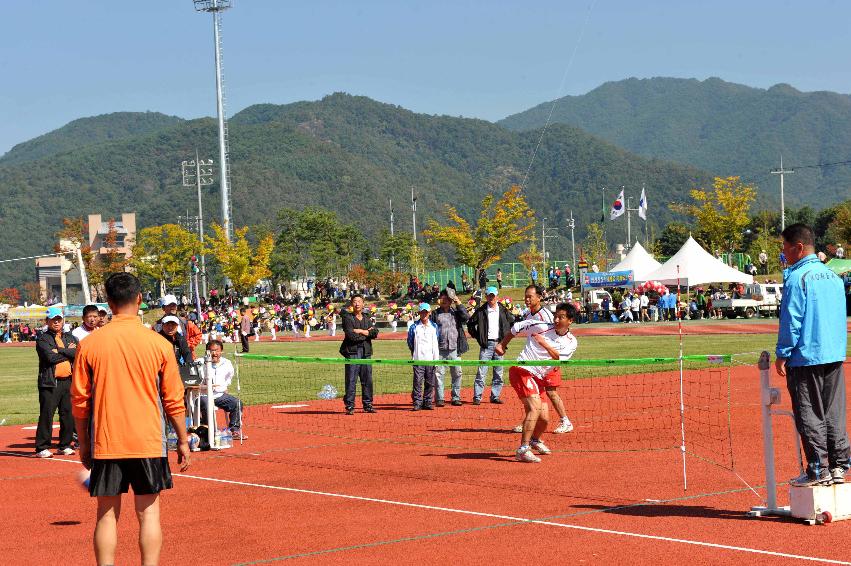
(112, 261)
(314, 241)
(75, 231)
(240, 263)
(163, 253)
(501, 224)
(672, 239)
(839, 229)
(721, 215)
(532, 257)
(596, 249)
(33, 293)
(10, 296)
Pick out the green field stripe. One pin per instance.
(717, 359)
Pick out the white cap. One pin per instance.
(171, 318)
(168, 300)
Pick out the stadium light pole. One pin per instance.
(392, 252)
(782, 172)
(546, 233)
(414, 211)
(202, 177)
(216, 7)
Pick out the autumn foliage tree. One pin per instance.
(10, 296)
(241, 262)
(501, 224)
(722, 214)
(163, 252)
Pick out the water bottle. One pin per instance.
(226, 438)
(218, 438)
(172, 440)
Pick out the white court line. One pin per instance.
(518, 519)
(493, 516)
(288, 406)
(35, 427)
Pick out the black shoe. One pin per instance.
(416, 408)
(350, 410)
(428, 407)
(496, 401)
(456, 403)
(440, 404)
(369, 409)
(477, 401)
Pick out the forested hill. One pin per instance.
(347, 153)
(721, 127)
(89, 131)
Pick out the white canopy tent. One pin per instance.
(692, 265)
(639, 262)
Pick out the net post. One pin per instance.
(768, 397)
(682, 395)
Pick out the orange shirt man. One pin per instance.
(125, 384)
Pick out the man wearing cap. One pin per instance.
(170, 324)
(169, 306)
(103, 317)
(488, 325)
(185, 328)
(56, 351)
(450, 320)
(423, 341)
(90, 322)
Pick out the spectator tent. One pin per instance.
(692, 265)
(639, 262)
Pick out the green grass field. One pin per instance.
(262, 381)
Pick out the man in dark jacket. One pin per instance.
(182, 352)
(56, 351)
(488, 325)
(450, 319)
(358, 333)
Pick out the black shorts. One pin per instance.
(113, 477)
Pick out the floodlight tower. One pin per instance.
(199, 173)
(216, 7)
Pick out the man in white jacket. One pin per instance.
(424, 345)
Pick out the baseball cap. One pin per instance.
(425, 307)
(492, 291)
(171, 318)
(53, 312)
(169, 300)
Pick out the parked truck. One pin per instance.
(757, 298)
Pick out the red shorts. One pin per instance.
(525, 383)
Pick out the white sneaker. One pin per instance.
(518, 428)
(525, 455)
(44, 454)
(68, 451)
(565, 426)
(540, 447)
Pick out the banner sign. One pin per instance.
(608, 279)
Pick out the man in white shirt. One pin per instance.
(424, 345)
(644, 302)
(635, 306)
(220, 373)
(90, 322)
(544, 342)
(538, 313)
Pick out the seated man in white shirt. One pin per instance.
(220, 373)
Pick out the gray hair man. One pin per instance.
(450, 319)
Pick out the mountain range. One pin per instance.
(720, 127)
(347, 153)
(354, 155)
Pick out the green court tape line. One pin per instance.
(712, 359)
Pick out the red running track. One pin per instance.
(322, 499)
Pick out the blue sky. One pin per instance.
(64, 60)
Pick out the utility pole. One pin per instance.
(216, 7)
(392, 253)
(414, 211)
(203, 177)
(572, 224)
(629, 223)
(782, 172)
(546, 233)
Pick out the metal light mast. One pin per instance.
(782, 172)
(414, 211)
(203, 177)
(216, 7)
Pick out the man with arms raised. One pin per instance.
(544, 342)
(811, 347)
(125, 383)
(537, 313)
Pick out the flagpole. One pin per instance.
(628, 224)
